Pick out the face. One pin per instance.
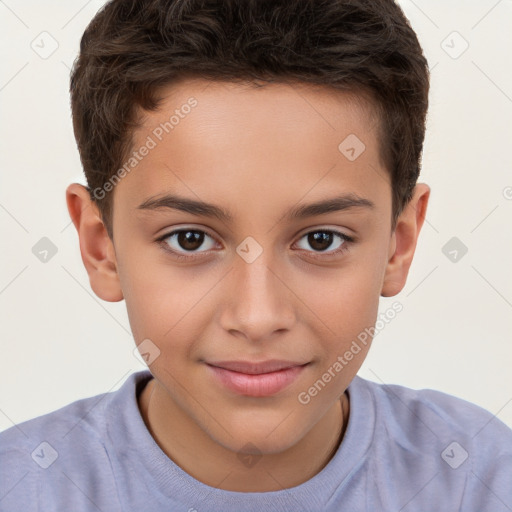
(247, 308)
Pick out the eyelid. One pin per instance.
(300, 234)
(178, 255)
(179, 229)
(326, 227)
(348, 240)
(185, 227)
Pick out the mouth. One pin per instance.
(261, 379)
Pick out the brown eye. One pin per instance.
(320, 240)
(182, 241)
(326, 241)
(190, 240)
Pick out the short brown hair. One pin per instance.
(133, 47)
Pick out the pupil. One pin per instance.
(321, 240)
(190, 240)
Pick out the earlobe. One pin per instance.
(404, 240)
(96, 248)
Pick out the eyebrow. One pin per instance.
(200, 208)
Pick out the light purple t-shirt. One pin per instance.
(403, 450)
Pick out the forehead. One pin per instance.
(224, 141)
(275, 108)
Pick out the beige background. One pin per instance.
(61, 343)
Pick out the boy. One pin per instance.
(286, 138)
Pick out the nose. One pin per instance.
(260, 300)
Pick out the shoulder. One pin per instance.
(466, 449)
(82, 418)
(50, 457)
(431, 409)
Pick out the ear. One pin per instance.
(98, 253)
(403, 241)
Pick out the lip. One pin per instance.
(260, 379)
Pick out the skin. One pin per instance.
(257, 153)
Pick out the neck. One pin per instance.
(212, 464)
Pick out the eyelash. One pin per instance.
(347, 240)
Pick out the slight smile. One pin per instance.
(256, 379)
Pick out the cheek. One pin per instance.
(168, 306)
(346, 305)
(343, 299)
